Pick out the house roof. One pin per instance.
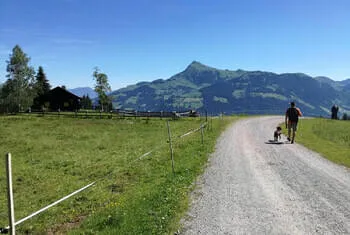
(63, 91)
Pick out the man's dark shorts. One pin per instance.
(293, 126)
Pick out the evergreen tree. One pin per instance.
(42, 85)
(86, 102)
(102, 87)
(17, 92)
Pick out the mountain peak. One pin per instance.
(196, 63)
(197, 66)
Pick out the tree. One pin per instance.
(86, 102)
(334, 111)
(17, 92)
(42, 85)
(345, 116)
(101, 87)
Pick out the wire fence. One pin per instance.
(12, 223)
(116, 114)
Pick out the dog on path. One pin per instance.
(277, 133)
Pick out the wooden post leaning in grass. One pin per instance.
(171, 147)
(210, 123)
(221, 118)
(202, 134)
(11, 210)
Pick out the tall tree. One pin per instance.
(42, 85)
(17, 92)
(86, 102)
(102, 87)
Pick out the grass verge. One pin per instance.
(53, 157)
(330, 138)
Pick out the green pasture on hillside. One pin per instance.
(330, 138)
(54, 156)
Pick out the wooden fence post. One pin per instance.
(221, 119)
(11, 210)
(171, 148)
(202, 134)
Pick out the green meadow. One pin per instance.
(133, 194)
(330, 138)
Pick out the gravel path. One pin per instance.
(251, 187)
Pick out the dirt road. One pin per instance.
(251, 187)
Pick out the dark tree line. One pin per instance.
(86, 102)
(24, 88)
(334, 111)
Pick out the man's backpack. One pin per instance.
(293, 114)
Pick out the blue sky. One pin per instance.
(133, 41)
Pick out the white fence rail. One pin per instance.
(12, 223)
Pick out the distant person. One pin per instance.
(335, 110)
(292, 117)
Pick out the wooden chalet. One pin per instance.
(59, 99)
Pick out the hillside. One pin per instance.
(203, 88)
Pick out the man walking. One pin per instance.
(292, 117)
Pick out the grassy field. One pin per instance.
(331, 138)
(54, 156)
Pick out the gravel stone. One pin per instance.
(251, 187)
